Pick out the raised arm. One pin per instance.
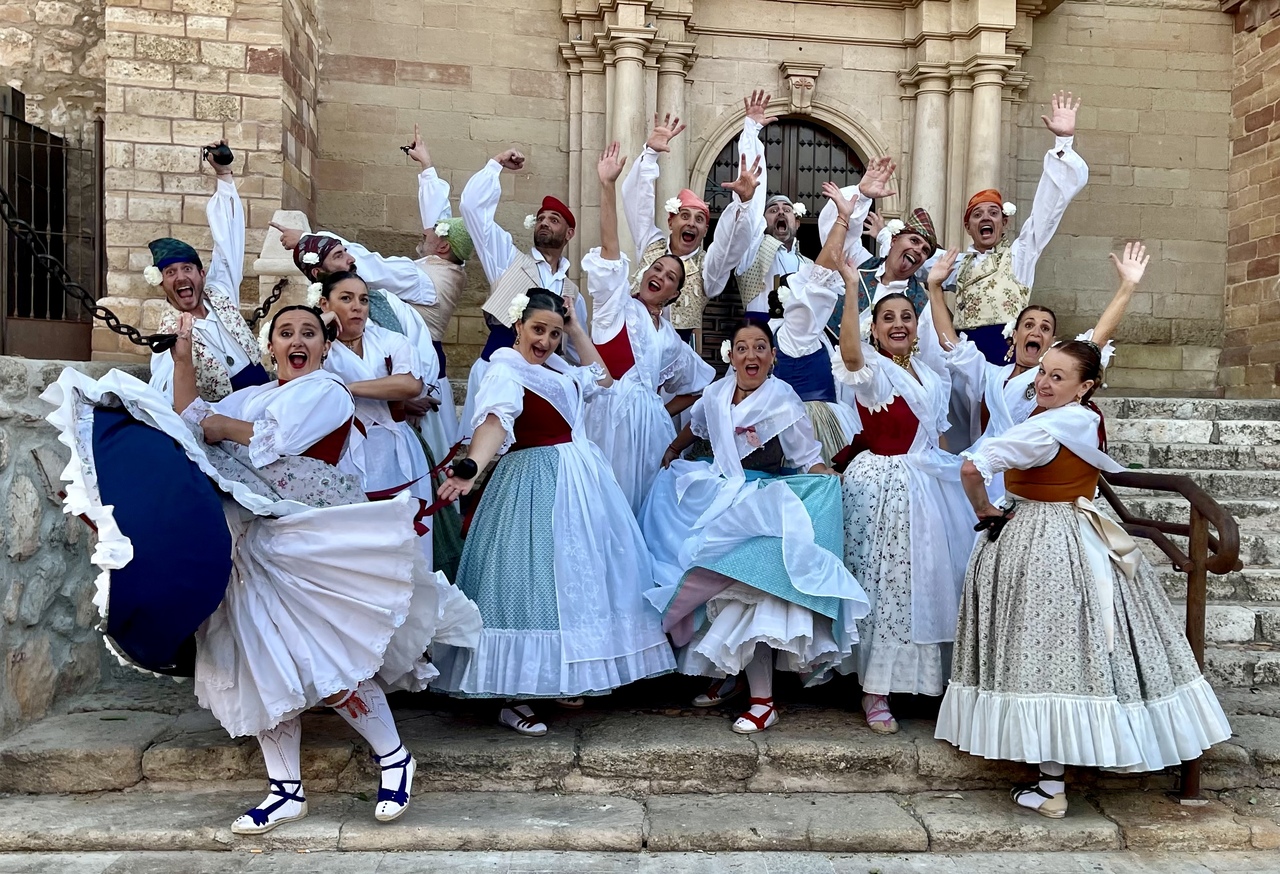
(433, 192)
(1130, 267)
(479, 204)
(609, 168)
(942, 323)
(875, 183)
(183, 368)
(850, 329)
(225, 214)
(750, 146)
(1065, 174)
(638, 188)
(735, 231)
(832, 254)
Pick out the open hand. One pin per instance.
(748, 178)
(876, 179)
(873, 224)
(454, 488)
(511, 159)
(1133, 263)
(664, 132)
(289, 237)
(419, 151)
(756, 106)
(941, 268)
(844, 206)
(609, 168)
(1062, 115)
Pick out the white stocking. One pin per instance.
(366, 710)
(759, 672)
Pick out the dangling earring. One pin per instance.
(273, 361)
(915, 347)
(1008, 356)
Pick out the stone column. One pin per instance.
(957, 158)
(627, 119)
(673, 63)
(984, 128)
(929, 149)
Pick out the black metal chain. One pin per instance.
(27, 234)
(276, 291)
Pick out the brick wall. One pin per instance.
(52, 51)
(478, 79)
(1156, 84)
(1251, 353)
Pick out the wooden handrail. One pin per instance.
(1205, 554)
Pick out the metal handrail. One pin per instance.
(1205, 554)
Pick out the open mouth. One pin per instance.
(898, 336)
(1033, 347)
(911, 260)
(539, 351)
(297, 360)
(986, 229)
(751, 370)
(780, 225)
(185, 292)
(654, 286)
(689, 236)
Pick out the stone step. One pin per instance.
(592, 752)
(1221, 484)
(1191, 431)
(1249, 513)
(1258, 548)
(1194, 456)
(1239, 622)
(1210, 409)
(1260, 584)
(917, 823)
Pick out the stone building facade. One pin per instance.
(316, 96)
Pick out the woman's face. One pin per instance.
(751, 357)
(297, 344)
(349, 300)
(894, 328)
(660, 284)
(538, 335)
(1058, 383)
(1031, 337)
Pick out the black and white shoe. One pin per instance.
(281, 805)
(392, 803)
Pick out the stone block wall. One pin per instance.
(1156, 85)
(47, 617)
(1251, 353)
(53, 52)
(478, 78)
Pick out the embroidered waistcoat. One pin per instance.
(212, 380)
(867, 283)
(987, 293)
(751, 280)
(686, 312)
(517, 279)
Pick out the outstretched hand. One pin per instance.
(748, 179)
(941, 268)
(664, 132)
(289, 237)
(454, 488)
(756, 106)
(1062, 116)
(876, 178)
(610, 164)
(844, 206)
(419, 151)
(181, 350)
(1133, 263)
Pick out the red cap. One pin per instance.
(551, 203)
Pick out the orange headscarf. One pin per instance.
(987, 195)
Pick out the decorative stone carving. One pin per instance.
(802, 82)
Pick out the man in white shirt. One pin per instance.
(223, 348)
(689, 217)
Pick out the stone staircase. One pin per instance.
(138, 766)
(1232, 450)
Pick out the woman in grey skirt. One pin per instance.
(1067, 651)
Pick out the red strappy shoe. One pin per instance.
(749, 723)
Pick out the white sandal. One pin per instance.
(522, 720)
(259, 821)
(750, 723)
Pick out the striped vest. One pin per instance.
(517, 279)
(751, 280)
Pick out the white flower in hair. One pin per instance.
(441, 229)
(1009, 327)
(799, 209)
(1008, 208)
(529, 221)
(264, 339)
(519, 304)
(313, 294)
(311, 259)
(672, 205)
(725, 348)
(153, 276)
(895, 226)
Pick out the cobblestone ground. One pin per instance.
(644, 863)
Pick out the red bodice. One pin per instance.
(540, 424)
(890, 431)
(329, 448)
(617, 354)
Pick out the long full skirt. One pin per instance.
(631, 426)
(878, 515)
(552, 627)
(1034, 678)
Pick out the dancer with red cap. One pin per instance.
(689, 218)
(511, 271)
(993, 278)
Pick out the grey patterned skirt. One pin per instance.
(1033, 678)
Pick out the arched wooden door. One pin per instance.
(800, 155)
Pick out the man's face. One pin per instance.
(551, 231)
(907, 252)
(688, 229)
(431, 244)
(780, 221)
(183, 285)
(338, 261)
(986, 224)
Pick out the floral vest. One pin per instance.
(987, 293)
(212, 380)
(686, 312)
